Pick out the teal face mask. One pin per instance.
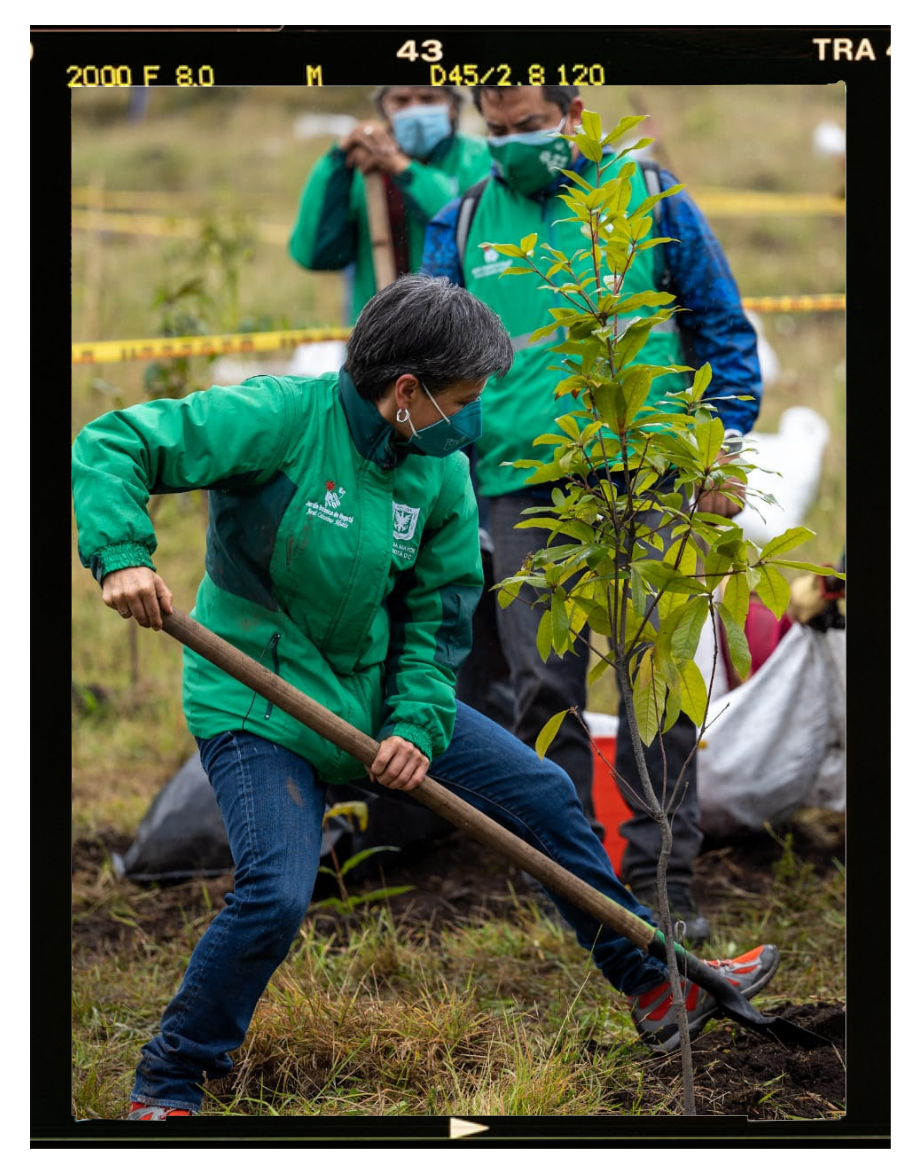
(451, 432)
(419, 130)
(528, 162)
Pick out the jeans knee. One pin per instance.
(269, 918)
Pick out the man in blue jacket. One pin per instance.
(522, 195)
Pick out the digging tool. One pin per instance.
(464, 816)
(379, 230)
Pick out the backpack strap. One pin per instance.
(652, 173)
(466, 211)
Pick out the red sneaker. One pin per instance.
(653, 1010)
(140, 1112)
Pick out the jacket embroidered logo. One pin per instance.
(405, 521)
(333, 494)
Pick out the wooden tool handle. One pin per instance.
(379, 230)
(430, 793)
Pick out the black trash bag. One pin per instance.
(182, 835)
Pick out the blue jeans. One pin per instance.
(273, 808)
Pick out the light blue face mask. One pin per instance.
(451, 432)
(419, 129)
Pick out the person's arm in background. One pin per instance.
(428, 187)
(715, 326)
(324, 236)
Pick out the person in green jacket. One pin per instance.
(342, 552)
(423, 161)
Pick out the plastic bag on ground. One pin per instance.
(777, 743)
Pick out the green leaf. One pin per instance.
(709, 436)
(598, 669)
(633, 340)
(559, 622)
(589, 147)
(529, 242)
(548, 732)
(506, 250)
(737, 597)
(544, 644)
(773, 590)
(808, 567)
(591, 123)
(353, 861)
(715, 567)
(375, 895)
(648, 699)
(568, 425)
(701, 380)
(622, 127)
(693, 691)
(738, 650)
(635, 386)
(663, 576)
(790, 539)
(685, 638)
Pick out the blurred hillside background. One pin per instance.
(182, 206)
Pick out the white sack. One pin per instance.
(777, 743)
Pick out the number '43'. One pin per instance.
(431, 51)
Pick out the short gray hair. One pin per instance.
(428, 327)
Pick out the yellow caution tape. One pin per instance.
(824, 302)
(714, 200)
(149, 349)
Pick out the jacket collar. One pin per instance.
(372, 436)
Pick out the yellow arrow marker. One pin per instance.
(459, 1129)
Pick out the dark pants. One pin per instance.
(541, 689)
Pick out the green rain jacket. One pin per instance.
(332, 226)
(344, 563)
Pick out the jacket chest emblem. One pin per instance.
(404, 526)
(331, 510)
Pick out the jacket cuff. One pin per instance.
(418, 736)
(120, 556)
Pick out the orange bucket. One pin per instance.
(610, 807)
